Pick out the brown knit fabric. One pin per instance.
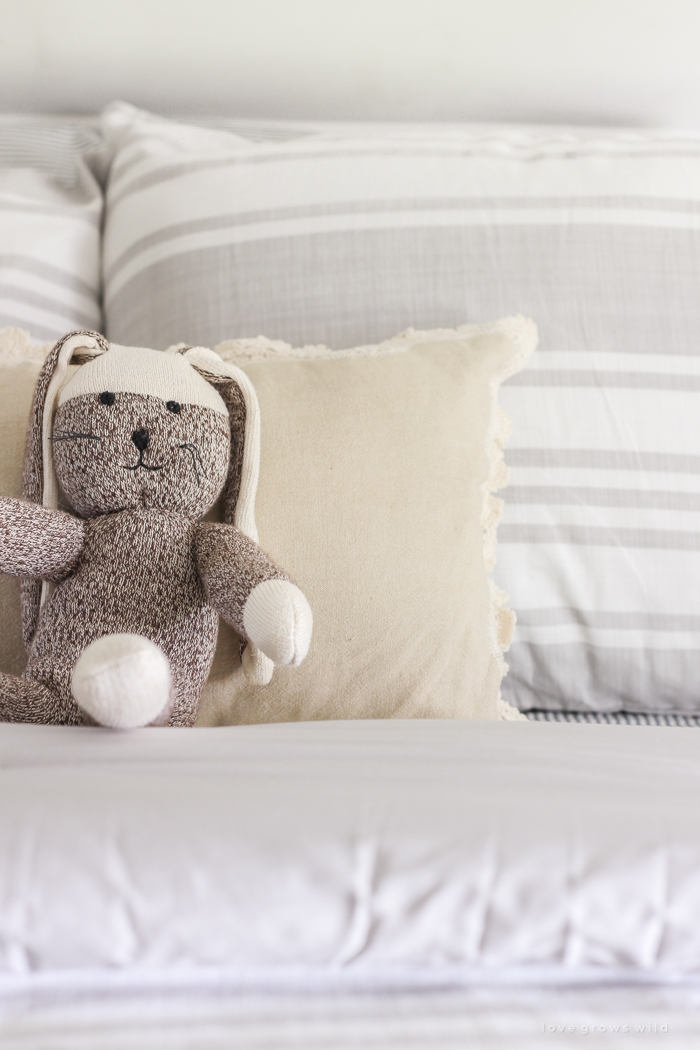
(230, 566)
(39, 543)
(22, 700)
(140, 474)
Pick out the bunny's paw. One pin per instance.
(278, 620)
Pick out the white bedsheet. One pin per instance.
(328, 858)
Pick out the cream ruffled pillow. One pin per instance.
(377, 472)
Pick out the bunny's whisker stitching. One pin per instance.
(196, 458)
(68, 435)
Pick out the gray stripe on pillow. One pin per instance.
(418, 204)
(645, 499)
(35, 329)
(568, 676)
(595, 536)
(425, 208)
(604, 378)
(347, 288)
(604, 459)
(28, 264)
(74, 214)
(556, 617)
(45, 302)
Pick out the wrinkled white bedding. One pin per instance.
(348, 851)
(329, 857)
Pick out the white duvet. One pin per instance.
(348, 854)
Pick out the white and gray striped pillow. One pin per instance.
(50, 213)
(345, 237)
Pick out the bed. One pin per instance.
(416, 882)
(344, 880)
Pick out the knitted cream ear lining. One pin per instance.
(278, 620)
(211, 365)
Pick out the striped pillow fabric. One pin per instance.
(50, 213)
(343, 236)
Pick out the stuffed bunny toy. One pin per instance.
(121, 599)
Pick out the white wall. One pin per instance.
(588, 61)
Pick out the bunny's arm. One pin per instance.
(251, 594)
(36, 542)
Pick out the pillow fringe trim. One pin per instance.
(522, 333)
(17, 347)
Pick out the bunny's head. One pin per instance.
(139, 428)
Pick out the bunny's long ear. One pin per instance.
(39, 480)
(244, 465)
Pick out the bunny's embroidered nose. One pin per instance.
(140, 439)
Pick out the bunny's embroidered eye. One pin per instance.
(173, 406)
(107, 397)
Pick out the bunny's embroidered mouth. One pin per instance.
(141, 465)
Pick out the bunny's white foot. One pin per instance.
(277, 619)
(122, 681)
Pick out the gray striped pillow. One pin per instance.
(343, 237)
(50, 213)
